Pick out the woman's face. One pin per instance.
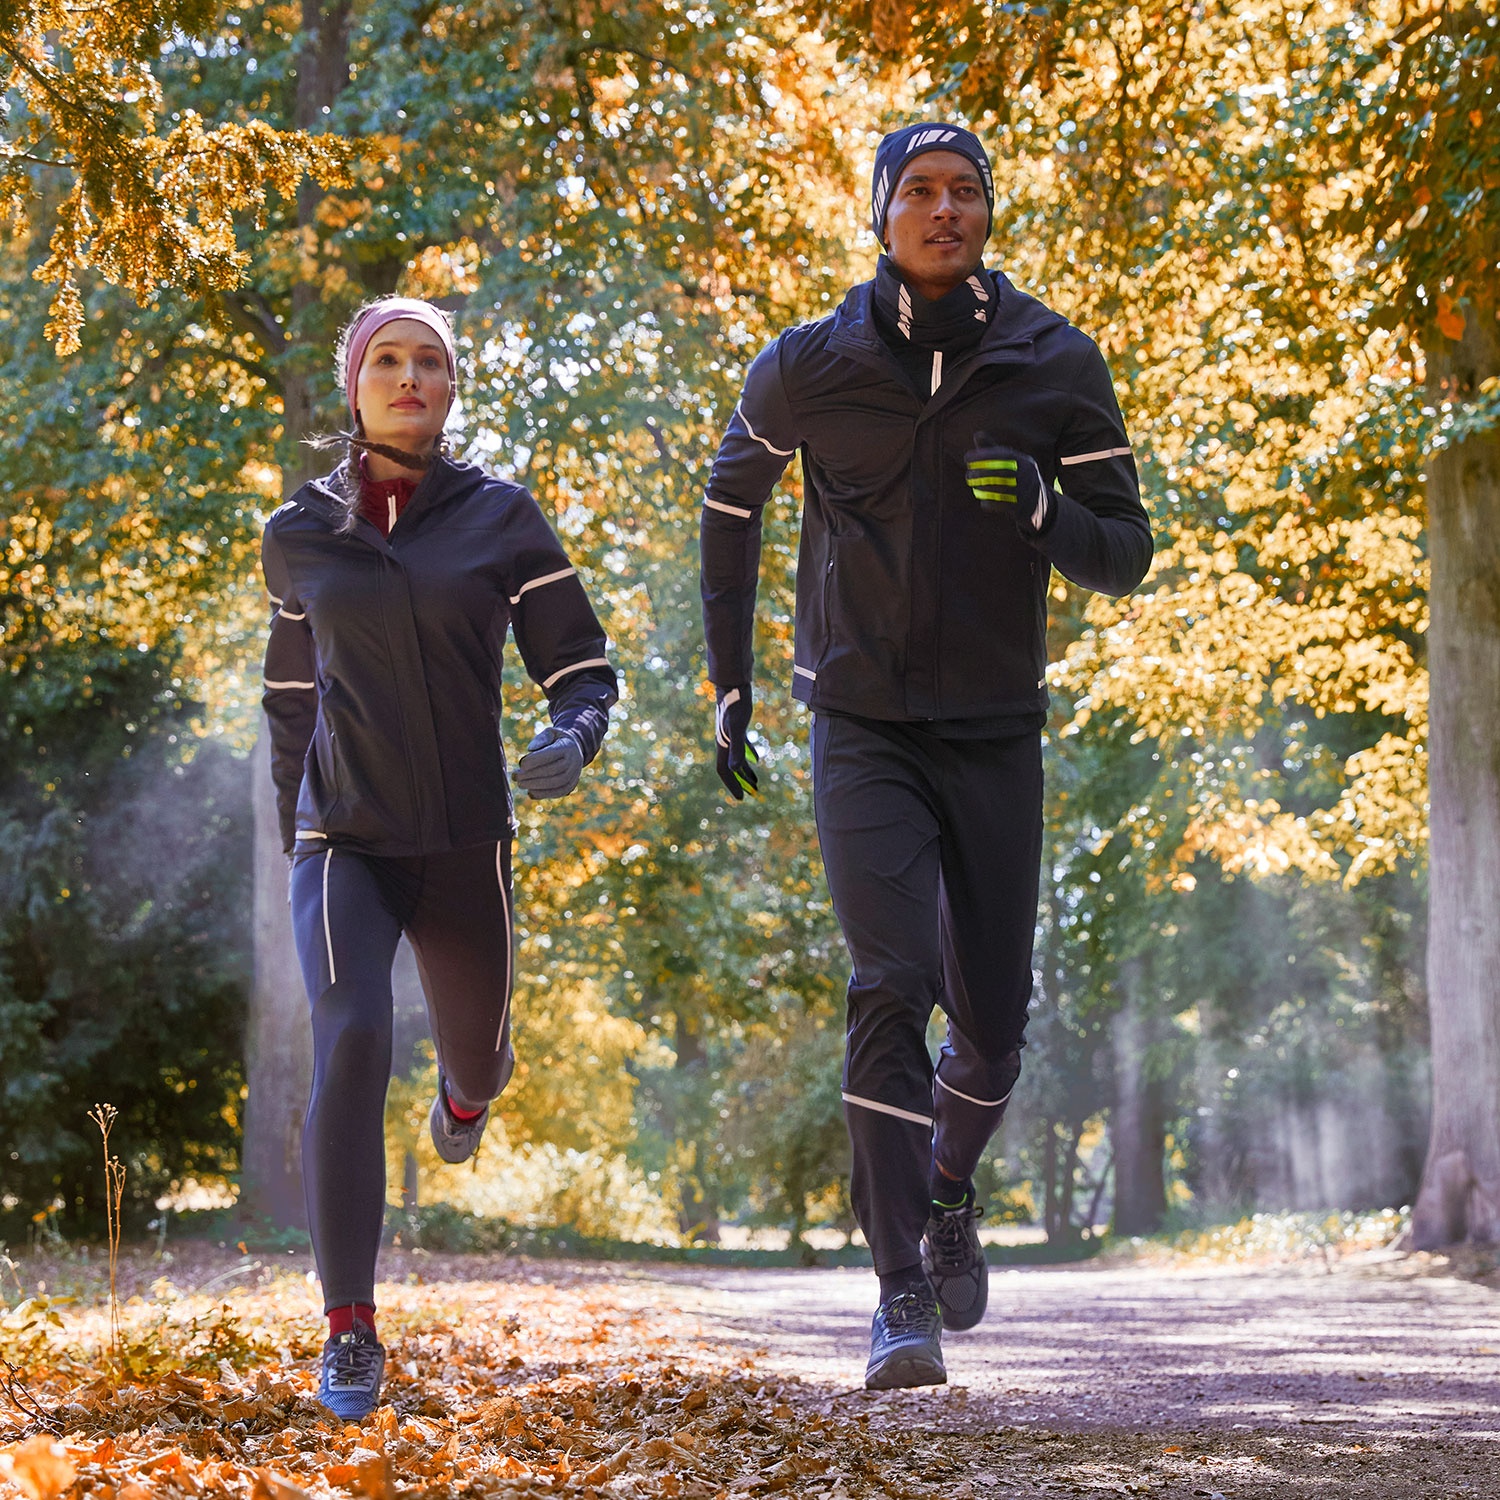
(403, 392)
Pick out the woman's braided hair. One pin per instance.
(344, 481)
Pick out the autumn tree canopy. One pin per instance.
(1274, 218)
(93, 155)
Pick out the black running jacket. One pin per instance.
(383, 677)
(914, 601)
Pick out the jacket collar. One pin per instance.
(444, 480)
(1010, 337)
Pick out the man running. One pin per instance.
(959, 440)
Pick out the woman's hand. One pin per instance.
(551, 766)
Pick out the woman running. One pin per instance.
(393, 582)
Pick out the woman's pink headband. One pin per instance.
(388, 311)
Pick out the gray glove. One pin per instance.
(551, 766)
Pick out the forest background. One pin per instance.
(1267, 949)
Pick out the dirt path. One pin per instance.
(1193, 1382)
(1209, 1350)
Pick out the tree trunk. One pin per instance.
(1460, 1194)
(1137, 1124)
(1067, 1186)
(697, 1215)
(278, 1065)
(1049, 1181)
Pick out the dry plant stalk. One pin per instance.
(104, 1116)
(38, 1418)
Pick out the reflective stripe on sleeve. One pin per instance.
(739, 411)
(578, 666)
(1088, 458)
(537, 583)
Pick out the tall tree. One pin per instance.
(1320, 181)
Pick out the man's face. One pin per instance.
(937, 222)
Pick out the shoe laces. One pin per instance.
(355, 1357)
(905, 1312)
(950, 1226)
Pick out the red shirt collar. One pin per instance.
(381, 501)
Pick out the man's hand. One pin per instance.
(551, 766)
(737, 755)
(1005, 476)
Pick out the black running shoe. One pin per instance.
(456, 1140)
(353, 1364)
(954, 1261)
(906, 1342)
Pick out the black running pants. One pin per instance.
(932, 848)
(348, 914)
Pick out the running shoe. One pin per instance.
(353, 1364)
(906, 1342)
(456, 1140)
(954, 1261)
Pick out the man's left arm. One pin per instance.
(1092, 527)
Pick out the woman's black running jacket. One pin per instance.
(384, 665)
(914, 601)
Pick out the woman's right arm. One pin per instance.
(290, 693)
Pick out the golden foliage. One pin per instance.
(146, 202)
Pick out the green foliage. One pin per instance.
(122, 942)
(784, 1122)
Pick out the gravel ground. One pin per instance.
(1365, 1380)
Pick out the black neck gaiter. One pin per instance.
(953, 324)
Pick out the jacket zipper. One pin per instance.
(828, 601)
(937, 597)
(333, 760)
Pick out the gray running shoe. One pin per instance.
(954, 1261)
(353, 1364)
(456, 1140)
(906, 1345)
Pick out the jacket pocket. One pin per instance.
(827, 613)
(324, 779)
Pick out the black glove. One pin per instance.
(551, 766)
(737, 755)
(1005, 476)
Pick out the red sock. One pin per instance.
(462, 1114)
(343, 1319)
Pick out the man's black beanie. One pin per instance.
(900, 146)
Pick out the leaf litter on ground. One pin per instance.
(494, 1387)
(509, 1378)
